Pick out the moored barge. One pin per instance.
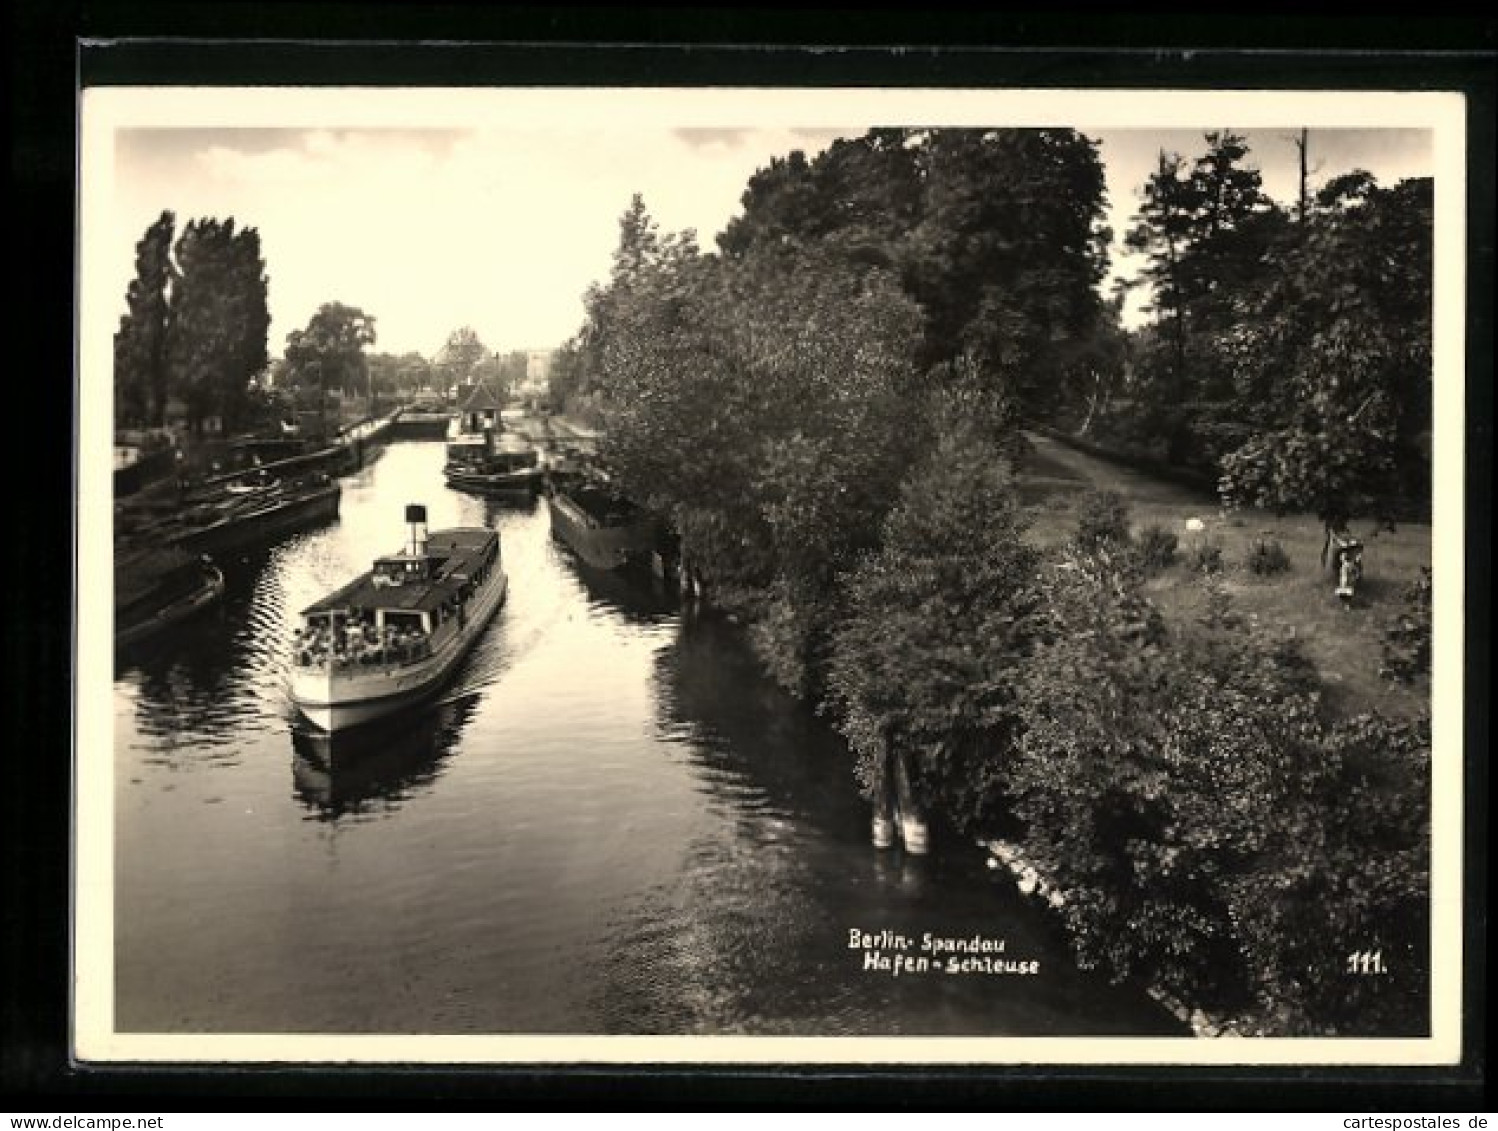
(603, 529)
(157, 588)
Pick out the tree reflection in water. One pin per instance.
(191, 687)
(751, 936)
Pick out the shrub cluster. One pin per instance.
(1266, 557)
(1204, 555)
(1406, 643)
(1157, 546)
(1213, 834)
(1102, 517)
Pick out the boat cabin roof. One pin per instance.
(452, 558)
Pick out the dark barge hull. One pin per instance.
(511, 484)
(143, 472)
(256, 528)
(603, 542)
(143, 620)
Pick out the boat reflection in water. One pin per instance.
(498, 507)
(636, 596)
(372, 771)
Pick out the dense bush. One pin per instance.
(1157, 547)
(788, 630)
(1102, 516)
(938, 623)
(1204, 555)
(1344, 868)
(1406, 644)
(1266, 557)
(1212, 834)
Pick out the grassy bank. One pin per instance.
(1344, 644)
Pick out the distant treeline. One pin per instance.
(192, 344)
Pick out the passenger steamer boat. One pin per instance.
(393, 635)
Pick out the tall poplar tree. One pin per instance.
(219, 319)
(140, 372)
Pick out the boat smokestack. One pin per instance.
(416, 516)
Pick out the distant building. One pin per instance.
(480, 406)
(538, 364)
(537, 372)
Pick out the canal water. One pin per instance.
(610, 823)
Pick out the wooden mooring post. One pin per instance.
(883, 825)
(895, 809)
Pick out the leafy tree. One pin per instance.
(513, 368)
(757, 401)
(219, 318)
(393, 375)
(1339, 362)
(857, 198)
(1008, 252)
(997, 234)
(1209, 234)
(780, 203)
(565, 380)
(1203, 227)
(140, 371)
(828, 350)
(639, 240)
(1346, 190)
(938, 622)
(329, 352)
(460, 355)
(639, 352)
(1163, 231)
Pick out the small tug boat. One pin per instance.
(483, 457)
(485, 465)
(393, 635)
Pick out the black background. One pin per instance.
(55, 45)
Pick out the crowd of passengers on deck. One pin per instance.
(358, 640)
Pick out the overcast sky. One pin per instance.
(503, 229)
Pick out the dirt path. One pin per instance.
(1062, 461)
